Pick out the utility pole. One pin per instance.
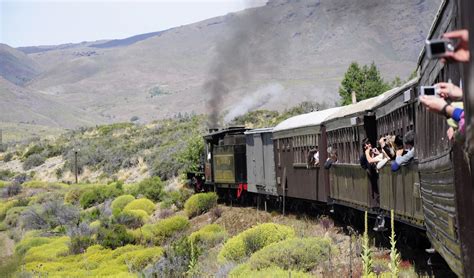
(75, 163)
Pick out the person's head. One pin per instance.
(366, 144)
(398, 141)
(409, 139)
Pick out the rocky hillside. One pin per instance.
(272, 56)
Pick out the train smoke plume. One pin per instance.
(236, 55)
(255, 100)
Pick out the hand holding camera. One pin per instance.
(447, 49)
(449, 91)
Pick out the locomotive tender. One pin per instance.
(432, 193)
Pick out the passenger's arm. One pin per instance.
(404, 159)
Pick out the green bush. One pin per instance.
(273, 272)
(159, 232)
(98, 194)
(45, 185)
(35, 149)
(200, 203)
(152, 188)
(33, 161)
(209, 235)
(139, 259)
(176, 197)
(120, 202)
(49, 251)
(141, 204)
(8, 157)
(295, 254)
(253, 239)
(132, 218)
(6, 174)
(5, 206)
(114, 236)
(97, 261)
(73, 196)
(29, 242)
(13, 215)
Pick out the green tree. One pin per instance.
(365, 81)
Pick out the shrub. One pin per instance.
(80, 238)
(152, 188)
(13, 215)
(132, 218)
(35, 149)
(74, 195)
(5, 206)
(33, 161)
(11, 190)
(295, 253)
(49, 251)
(45, 185)
(50, 215)
(159, 232)
(98, 194)
(6, 174)
(209, 235)
(275, 272)
(139, 259)
(253, 239)
(120, 202)
(200, 203)
(8, 157)
(29, 242)
(176, 197)
(141, 204)
(114, 236)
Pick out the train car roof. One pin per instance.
(303, 120)
(371, 103)
(259, 130)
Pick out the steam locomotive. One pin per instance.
(427, 194)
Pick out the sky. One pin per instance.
(40, 22)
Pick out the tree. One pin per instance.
(365, 81)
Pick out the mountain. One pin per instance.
(273, 56)
(20, 105)
(16, 66)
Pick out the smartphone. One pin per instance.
(438, 48)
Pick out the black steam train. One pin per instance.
(427, 194)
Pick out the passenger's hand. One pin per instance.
(449, 91)
(450, 133)
(434, 104)
(382, 141)
(461, 53)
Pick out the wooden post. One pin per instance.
(354, 98)
(75, 164)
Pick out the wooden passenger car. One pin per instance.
(443, 168)
(349, 182)
(400, 191)
(293, 139)
(226, 165)
(260, 162)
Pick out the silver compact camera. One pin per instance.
(429, 91)
(438, 48)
